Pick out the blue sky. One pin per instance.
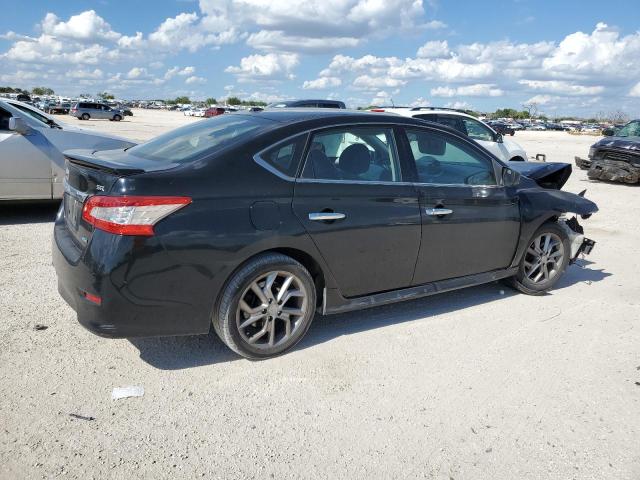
(569, 57)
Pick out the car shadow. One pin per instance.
(177, 353)
(25, 213)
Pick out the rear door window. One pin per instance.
(353, 153)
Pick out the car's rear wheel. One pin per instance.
(117, 118)
(544, 261)
(266, 307)
(85, 116)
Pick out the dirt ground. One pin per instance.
(482, 383)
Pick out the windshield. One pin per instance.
(188, 142)
(631, 129)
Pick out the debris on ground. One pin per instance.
(39, 326)
(81, 417)
(126, 392)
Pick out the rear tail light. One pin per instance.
(377, 110)
(130, 215)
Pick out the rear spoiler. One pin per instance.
(89, 160)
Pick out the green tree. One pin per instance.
(42, 91)
(182, 99)
(105, 96)
(234, 101)
(211, 101)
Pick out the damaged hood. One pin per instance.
(631, 144)
(547, 175)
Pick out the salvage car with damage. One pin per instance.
(616, 157)
(254, 222)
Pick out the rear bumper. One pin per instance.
(137, 299)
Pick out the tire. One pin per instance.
(267, 335)
(117, 118)
(517, 159)
(527, 279)
(85, 116)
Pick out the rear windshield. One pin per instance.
(189, 142)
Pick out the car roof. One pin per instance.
(413, 111)
(294, 115)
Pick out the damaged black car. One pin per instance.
(616, 157)
(251, 223)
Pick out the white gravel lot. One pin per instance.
(482, 383)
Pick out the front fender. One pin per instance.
(540, 205)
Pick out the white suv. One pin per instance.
(482, 133)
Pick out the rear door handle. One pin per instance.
(326, 216)
(438, 211)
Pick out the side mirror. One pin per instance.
(498, 137)
(18, 125)
(510, 178)
(608, 132)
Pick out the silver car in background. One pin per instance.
(31, 146)
(87, 110)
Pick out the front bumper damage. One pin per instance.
(609, 170)
(580, 245)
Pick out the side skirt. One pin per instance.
(333, 302)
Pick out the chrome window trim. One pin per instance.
(390, 126)
(267, 166)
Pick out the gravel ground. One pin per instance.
(482, 383)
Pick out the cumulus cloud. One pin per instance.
(476, 90)
(322, 83)
(86, 26)
(434, 49)
(635, 91)
(193, 80)
(367, 82)
(272, 66)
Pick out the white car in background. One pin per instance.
(506, 150)
(31, 146)
(198, 112)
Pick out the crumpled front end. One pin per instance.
(613, 171)
(580, 245)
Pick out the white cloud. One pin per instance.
(434, 49)
(187, 31)
(195, 80)
(86, 26)
(322, 83)
(476, 90)
(278, 41)
(137, 72)
(96, 74)
(420, 102)
(635, 90)
(435, 25)
(562, 87)
(272, 66)
(367, 82)
(542, 99)
(443, 92)
(459, 105)
(133, 42)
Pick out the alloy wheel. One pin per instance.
(544, 258)
(271, 309)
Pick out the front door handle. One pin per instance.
(326, 216)
(438, 211)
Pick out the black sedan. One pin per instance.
(503, 128)
(253, 222)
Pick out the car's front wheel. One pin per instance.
(544, 261)
(266, 307)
